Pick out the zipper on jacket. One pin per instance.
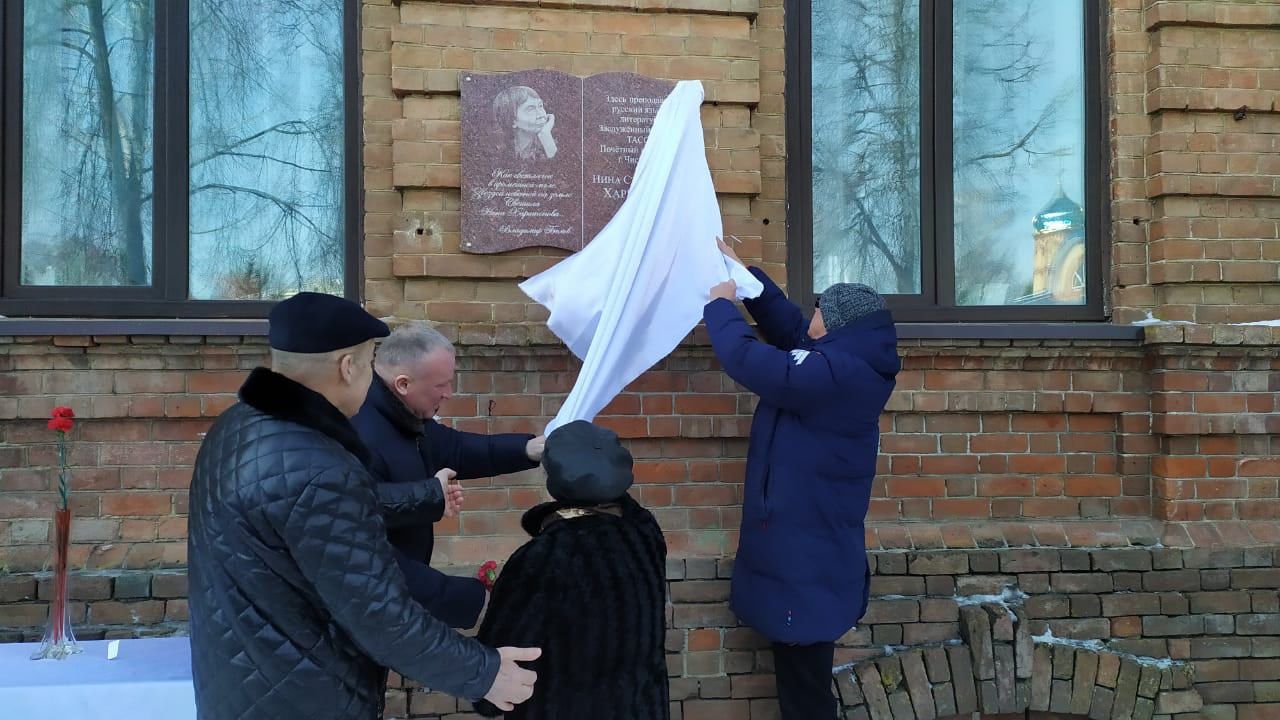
(768, 469)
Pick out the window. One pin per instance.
(948, 153)
(177, 158)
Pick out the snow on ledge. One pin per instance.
(1151, 319)
(1099, 646)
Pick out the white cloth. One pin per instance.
(149, 680)
(627, 300)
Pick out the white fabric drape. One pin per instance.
(627, 300)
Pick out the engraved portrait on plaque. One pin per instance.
(547, 157)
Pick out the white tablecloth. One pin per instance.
(150, 679)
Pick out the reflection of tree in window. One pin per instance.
(87, 142)
(266, 148)
(866, 143)
(1016, 116)
(1018, 128)
(266, 145)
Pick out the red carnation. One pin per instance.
(61, 421)
(488, 574)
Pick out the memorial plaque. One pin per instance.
(547, 158)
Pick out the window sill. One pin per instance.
(10, 327)
(1019, 331)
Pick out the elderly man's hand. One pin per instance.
(514, 684)
(727, 290)
(534, 448)
(452, 492)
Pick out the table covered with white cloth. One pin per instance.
(150, 679)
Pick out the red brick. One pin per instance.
(514, 406)
(953, 381)
(149, 382)
(657, 404)
(706, 404)
(705, 495)
(626, 427)
(1006, 486)
(1219, 403)
(961, 508)
(660, 472)
(182, 406)
(1260, 467)
(136, 504)
(1039, 423)
(916, 487)
(948, 464)
(1036, 464)
(1083, 485)
(998, 443)
(706, 639)
(1180, 467)
(215, 382)
(623, 405)
(1050, 507)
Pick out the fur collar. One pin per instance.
(284, 399)
(533, 518)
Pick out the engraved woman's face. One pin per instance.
(531, 115)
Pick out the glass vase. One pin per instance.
(59, 641)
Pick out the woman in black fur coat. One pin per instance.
(589, 589)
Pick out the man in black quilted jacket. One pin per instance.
(296, 598)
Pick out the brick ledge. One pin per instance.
(1134, 532)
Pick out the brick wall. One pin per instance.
(1195, 160)
(143, 404)
(994, 431)
(1115, 632)
(990, 446)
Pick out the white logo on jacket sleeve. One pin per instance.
(799, 355)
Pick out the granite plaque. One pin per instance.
(547, 157)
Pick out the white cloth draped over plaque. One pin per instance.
(150, 679)
(627, 300)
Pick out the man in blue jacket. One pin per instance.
(801, 575)
(416, 461)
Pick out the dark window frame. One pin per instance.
(167, 296)
(936, 196)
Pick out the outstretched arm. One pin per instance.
(474, 455)
(780, 320)
(797, 381)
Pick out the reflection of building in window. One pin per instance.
(1058, 266)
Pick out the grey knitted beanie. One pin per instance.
(843, 303)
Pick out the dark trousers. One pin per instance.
(804, 681)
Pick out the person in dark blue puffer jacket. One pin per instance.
(801, 576)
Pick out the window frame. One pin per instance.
(167, 296)
(936, 187)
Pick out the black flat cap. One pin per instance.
(586, 464)
(313, 323)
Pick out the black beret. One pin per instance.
(586, 464)
(314, 323)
